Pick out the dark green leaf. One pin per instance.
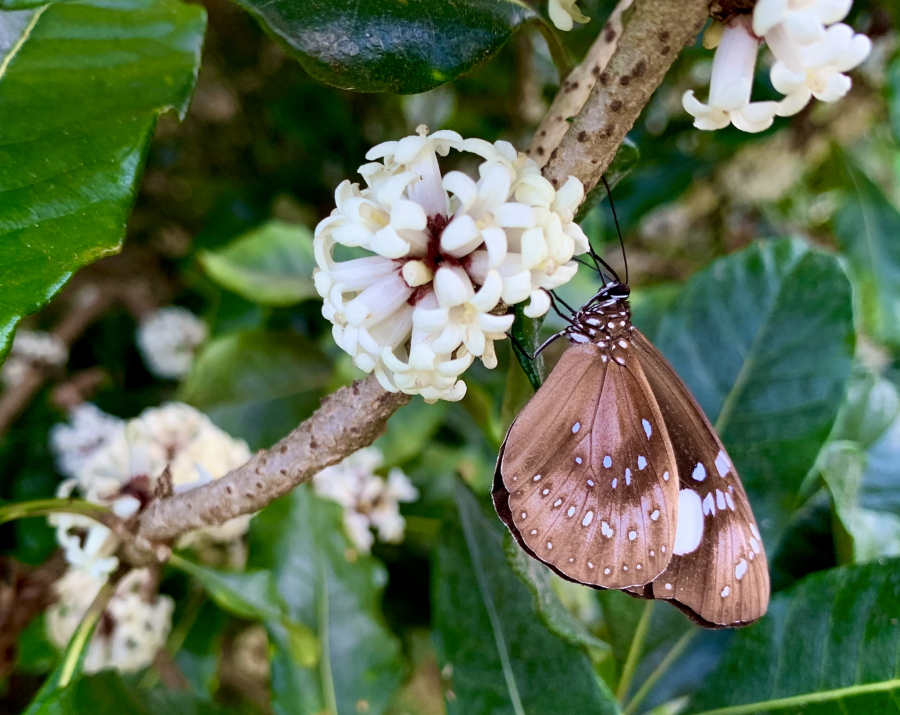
(554, 615)
(398, 47)
(500, 656)
(72, 151)
(867, 225)
(829, 645)
(764, 339)
(106, 694)
(258, 385)
(526, 330)
(272, 264)
(334, 591)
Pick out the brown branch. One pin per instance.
(650, 42)
(348, 420)
(577, 87)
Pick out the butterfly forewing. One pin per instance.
(586, 479)
(719, 571)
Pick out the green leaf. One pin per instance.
(764, 339)
(72, 151)
(491, 640)
(254, 595)
(893, 87)
(335, 592)
(272, 264)
(553, 614)
(409, 430)
(258, 385)
(106, 694)
(397, 47)
(44, 507)
(526, 331)
(866, 226)
(829, 645)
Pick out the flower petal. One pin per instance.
(487, 297)
(539, 304)
(452, 286)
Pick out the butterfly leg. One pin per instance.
(540, 348)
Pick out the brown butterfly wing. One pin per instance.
(724, 581)
(586, 479)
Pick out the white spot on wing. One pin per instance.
(709, 506)
(754, 544)
(689, 529)
(607, 461)
(571, 511)
(632, 535)
(720, 500)
(524, 514)
(588, 518)
(627, 476)
(605, 529)
(647, 428)
(726, 591)
(576, 427)
(549, 545)
(699, 473)
(722, 463)
(729, 500)
(545, 492)
(642, 462)
(537, 477)
(614, 483)
(668, 587)
(606, 571)
(577, 460)
(754, 531)
(740, 569)
(590, 482)
(666, 476)
(655, 515)
(557, 502)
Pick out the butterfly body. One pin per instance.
(614, 478)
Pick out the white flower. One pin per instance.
(131, 631)
(564, 12)
(450, 254)
(31, 347)
(731, 85)
(88, 432)
(168, 338)
(804, 20)
(815, 69)
(369, 501)
(121, 466)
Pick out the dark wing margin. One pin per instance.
(718, 575)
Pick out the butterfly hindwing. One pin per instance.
(586, 478)
(718, 573)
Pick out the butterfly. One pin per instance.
(614, 478)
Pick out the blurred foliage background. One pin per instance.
(767, 269)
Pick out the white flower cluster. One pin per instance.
(118, 463)
(32, 347)
(131, 631)
(450, 254)
(168, 338)
(812, 49)
(565, 13)
(369, 501)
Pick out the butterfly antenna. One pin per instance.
(612, 207)
(554, 297)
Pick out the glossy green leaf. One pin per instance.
(867, 225)
(525, 333)
(764, 339)
(829, 645)
(258, 385)
(73, 150)
(399, 47)
(272, 264)
(492, 643)
(335, 592)
(553, 614)
(860, 469)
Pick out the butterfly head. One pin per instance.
(605, 318)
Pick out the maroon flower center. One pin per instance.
(434, 258)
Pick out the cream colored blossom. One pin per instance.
(449, 252)
(168, 339)
(565, 13)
